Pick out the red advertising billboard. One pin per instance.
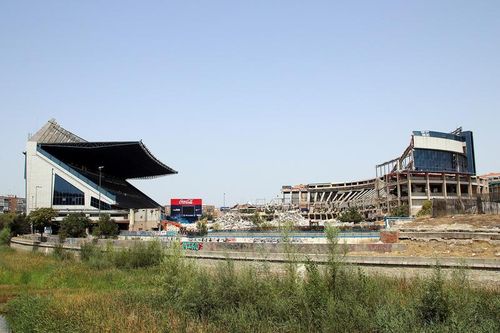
(185, 202)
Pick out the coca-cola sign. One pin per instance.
(185, 202)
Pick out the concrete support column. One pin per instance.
(131, 219)
(410, 201)
(459, 190)
(427, 186)
(387, 193)
(469, 188)
(399, 189)
(445, 191)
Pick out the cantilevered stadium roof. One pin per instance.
(126, 160)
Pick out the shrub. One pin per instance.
(351, 215)
(256, 219)
(434, 304)
(61, 254)
(426, 209)
(6, 219)
(106, 227)
(5, 236)
(74, 225)
(141, 254)
(20, 225)
(202, 227)
(401, 211)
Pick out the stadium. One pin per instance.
(435, 165)
(70, 174)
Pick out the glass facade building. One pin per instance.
(438, 156)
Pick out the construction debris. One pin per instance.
(235, 221)
(292, 217)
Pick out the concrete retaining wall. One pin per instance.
(245, 252)
(74, 244)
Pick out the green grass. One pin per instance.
(117, 292)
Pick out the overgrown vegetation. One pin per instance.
(351, 215)
(16, 223)
(401, 211)
(114, 291)
(426, 209)
(5, 236)
(74, 225)
(12, 225)
(202, 227)
(106, 227)
(141, 254)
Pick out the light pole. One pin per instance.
(100, 176)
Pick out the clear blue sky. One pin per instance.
(242, 97)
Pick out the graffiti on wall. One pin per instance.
(194, 246)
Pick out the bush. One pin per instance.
(401, 211)
(202, 227)
(434, 304)
(74, 225)
(61, 254)
(106, 227)
(141, 254)
(20, 225)
(6, 219)
(351, 215)
(5, 236)
(426, 209)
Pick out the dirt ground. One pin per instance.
(484, 221)
(455, 249)
(464, 249)
(450, 248)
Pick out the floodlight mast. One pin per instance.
(100, 176)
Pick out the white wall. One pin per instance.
(39, 170)
(427, 142)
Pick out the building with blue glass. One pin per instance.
(435, 165)
(70, 174)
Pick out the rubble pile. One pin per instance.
(290, 216)
(233, 221)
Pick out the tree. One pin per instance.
(106, 227)
(41, 218)
(74, 225)
(6, 219)
(20, 225)
(351, 215)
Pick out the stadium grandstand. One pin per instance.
(70, 174)
(435, 165)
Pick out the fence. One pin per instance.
(484, 204)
